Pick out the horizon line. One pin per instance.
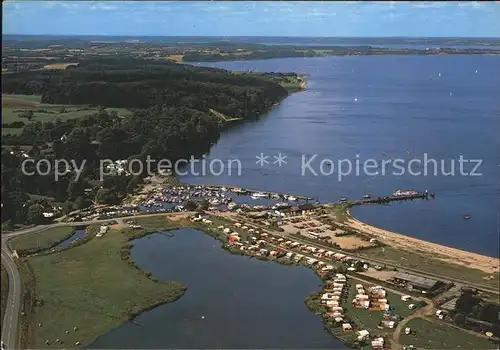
(261, 36)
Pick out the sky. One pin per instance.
(245, 18)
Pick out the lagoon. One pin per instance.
(231, 302)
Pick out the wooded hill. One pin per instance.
(171, 119)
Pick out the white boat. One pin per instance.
(258, 195)
(215, 202)
(282, 205)
(292, 198)
(402, 193)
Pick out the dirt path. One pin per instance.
(427, 310)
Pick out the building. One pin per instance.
(363, 335)
(346, 327)
(311, 234)
(292, 211)
(412, 282)
(306, 208)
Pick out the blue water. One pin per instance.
(64, 244)
(245, 303)
(392, 46)
(383, 107)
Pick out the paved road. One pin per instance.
(10, 320)
(10, 323)
(10, 336)
(376, 261)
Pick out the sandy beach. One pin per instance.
(452, 255)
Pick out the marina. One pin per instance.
(227, 198)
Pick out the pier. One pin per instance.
(393, 198)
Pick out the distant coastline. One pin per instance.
(271, 52)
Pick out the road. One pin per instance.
(375, 261)
(10, 335)
(10, 320)
(427, 310)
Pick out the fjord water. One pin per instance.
(382, 107)
(231, 302)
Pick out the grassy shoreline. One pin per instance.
(425, 261)
(35, 242)
(4, 292)
(124, 237)
(82, 292)
(431, 334)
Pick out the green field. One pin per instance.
(438, 335)
(425, 262)
(290, 83)
(41, 240)
(35, 98)
(368, 319)
(4, 291)
(93, 287)
(12, 131)
(12, 114)
(16, 105)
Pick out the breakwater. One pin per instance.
(388, 199)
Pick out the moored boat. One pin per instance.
(258, 195)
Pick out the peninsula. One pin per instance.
(324, 237)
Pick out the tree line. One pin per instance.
(170, 119)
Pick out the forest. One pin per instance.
(472, 312)
(171, 120)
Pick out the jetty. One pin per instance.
(395, 197)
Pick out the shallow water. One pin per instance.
(64, 244)
(231, 301)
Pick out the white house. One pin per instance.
(363, 335)
(346, 327)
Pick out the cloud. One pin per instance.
(430, 5)
(49, 4)
(103, 6)
(383, 5)
(393, 15)
(472, 5)
(11, 5)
